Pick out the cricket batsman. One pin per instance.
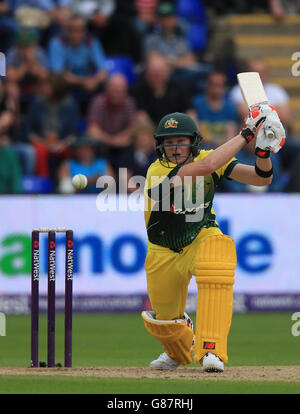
(184, 238)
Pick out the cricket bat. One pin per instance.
(254, 93)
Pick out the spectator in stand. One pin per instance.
(11, 126)
(8, 108)
(146, 16)
(10, 173)
(46, 16)
(143, 154)
(169, 41)
(111, 118)
(78, 57)
(53, 120)
(112, 33)
(280, 8)
(83, 161)
(8, 26)
(111, 21)
(95, 11)
(155, 94)
(27, 62)
(215, 114)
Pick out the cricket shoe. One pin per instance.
(164, 362)
(212, 363)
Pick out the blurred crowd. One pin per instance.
(88, 80)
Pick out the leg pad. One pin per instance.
(215, 263)
(175, 335)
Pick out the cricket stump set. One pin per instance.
(35, 275)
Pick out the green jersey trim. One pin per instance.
(229, 169)
(152, 192)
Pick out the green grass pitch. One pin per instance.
(115, 340)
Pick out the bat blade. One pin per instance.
(252, 88)
(253, 91)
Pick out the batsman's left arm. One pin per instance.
(248, 174)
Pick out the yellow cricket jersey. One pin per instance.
(175, 216)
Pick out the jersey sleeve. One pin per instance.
(158, 187)
(226, 169)
(223, 171)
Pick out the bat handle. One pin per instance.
(268, 130)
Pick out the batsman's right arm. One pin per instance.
(216, 159)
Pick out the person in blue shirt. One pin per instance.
(47, 5)
(84, 160)
(48, 17)
(78, 57)
(51, 124)
(27, 63)
(214, 113)
(8, 26)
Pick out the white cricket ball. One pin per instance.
(79, 181)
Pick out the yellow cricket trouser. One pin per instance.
(212, 259)
(169, 274)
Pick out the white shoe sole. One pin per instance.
(164, 365)
(212, 363)
(212, 368)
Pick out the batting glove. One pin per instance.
(265, 145)
(254, 120)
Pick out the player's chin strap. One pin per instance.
(166, 162)
(195, 146)
(178, 158)
(176, 335)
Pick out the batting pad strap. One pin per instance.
(175, 336)
(215, 280)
